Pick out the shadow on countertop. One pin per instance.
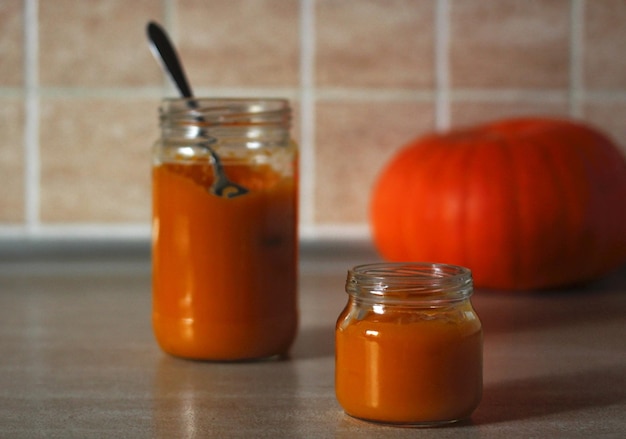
(548, 395)
(602, 301)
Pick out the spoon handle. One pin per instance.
(164, 51)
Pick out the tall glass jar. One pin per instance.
(409, 345)
(225, 265)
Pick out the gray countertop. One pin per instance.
(79, 360)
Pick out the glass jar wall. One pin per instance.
(225, 263)
(409, 345)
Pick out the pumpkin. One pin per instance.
(527, 203)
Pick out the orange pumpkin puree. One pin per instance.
(224, 270)
(394, 368)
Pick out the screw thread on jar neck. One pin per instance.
(409, 283)
(266, 120)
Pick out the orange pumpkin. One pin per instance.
(524, 203)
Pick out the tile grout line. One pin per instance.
(327, 93)
(76, 230)
(32, 177)
(576, 86)
(169, 13)
(170, 22)
(307, 115)
(442, 65)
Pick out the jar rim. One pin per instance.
(410, 282)
(225, 110)
(262, 119)
(234, 99)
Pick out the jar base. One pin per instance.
(261, 359)
(409, 424)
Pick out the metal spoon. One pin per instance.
(163, 50)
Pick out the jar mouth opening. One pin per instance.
(410, 281)
(237, 112)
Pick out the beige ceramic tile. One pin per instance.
(510, 43)
(95, 153)
(353, 142)
(604, 44)
(365, 43)
(11, 42)
(472, 113)
(95, 160)
(239, 42)
(97, 43)
(609, 117)
(11, 161)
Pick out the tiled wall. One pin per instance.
(79, 90)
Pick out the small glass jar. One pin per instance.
(225, 267)
(409, 345)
